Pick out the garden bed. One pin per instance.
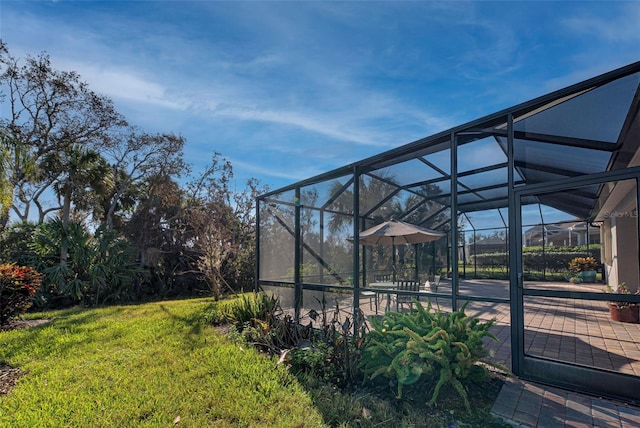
(8, 378)
(9, 375)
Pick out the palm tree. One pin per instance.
(375, 204)
(15, 165)
(6, 189)
(373, 192)
(77, 169)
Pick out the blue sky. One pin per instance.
(288, 90)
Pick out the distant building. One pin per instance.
(485, 246)
(561, 234)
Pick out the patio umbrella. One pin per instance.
(395, 232)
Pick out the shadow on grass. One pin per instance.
(375, 405)
(46, 339)
(193, 322)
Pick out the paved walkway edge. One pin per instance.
(526, 404)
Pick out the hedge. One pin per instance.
(553, 261)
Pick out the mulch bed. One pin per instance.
(20, 324)
(8, 378)
(9, 375)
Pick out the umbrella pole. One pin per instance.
(393, 257)
(415, 256)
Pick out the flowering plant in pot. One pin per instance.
(583, 268)
(623, 311)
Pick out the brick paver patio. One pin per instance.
(570, 330)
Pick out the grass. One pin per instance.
(355, 404)
(502, 273)
(376, 406)
(145, 365)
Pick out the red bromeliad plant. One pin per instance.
(18, 286)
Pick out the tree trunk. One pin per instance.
(64, 243)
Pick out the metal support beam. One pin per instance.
(356, 244)
(297, 260)
(515, 273)
(454, 223)
(256, 281)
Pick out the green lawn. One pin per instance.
(145, 365)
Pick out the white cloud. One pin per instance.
(292, 174)
(282, 80)
(622, 27)
(125, 85)
(316, 122)
(326, 83)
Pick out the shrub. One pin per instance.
(424, 347)
(620, 289)
(18, 286)
(552, 259)
(254, 306)
(15, 242)
(582, 264)
(260, 320)
(342, 340)
(330, 352)
(100, 268)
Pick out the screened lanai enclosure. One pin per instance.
(515, 195)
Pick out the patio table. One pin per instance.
(383, 285)
(388, 285)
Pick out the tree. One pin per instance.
(74, 170)
(222, 225)
(135, 158)
(64, 150)
(101, 266)
(47, 112)
(14, 159)
(80, 173)
(6, 167)
(156, 228)
(376, 203)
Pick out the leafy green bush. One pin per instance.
(325, 347)
(253, 306)
(591, 249)
(341, 340)
(425, 347)
(100, 267)
(311, 359)
(553, 259)
(15, 242)
(18, 286)
(260, 320)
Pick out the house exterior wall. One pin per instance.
(627, 252)
(620, 232)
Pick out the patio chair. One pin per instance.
(431, 284)
(382, 277)
(403, 299)
(435, 283)
(371, 296)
